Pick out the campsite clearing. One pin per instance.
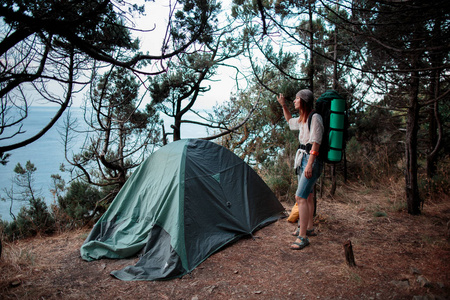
(398, 256)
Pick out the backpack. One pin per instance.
(332, 107)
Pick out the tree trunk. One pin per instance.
(176, 130)
(315, 200)
(335, 76)
(412, 127)
(333, 179)
(345, 166)
(311, 69)
(322, 178)
(335, 86)
(435, 133)
(435, 126)
(164, 135)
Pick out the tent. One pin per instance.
(183, 203)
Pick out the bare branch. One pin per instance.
(242, 123)
(58, 114)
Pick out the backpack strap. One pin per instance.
(310, 118)
(308, 147)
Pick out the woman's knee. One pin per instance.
(300, 200)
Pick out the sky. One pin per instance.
(224, 83)
(155, 19)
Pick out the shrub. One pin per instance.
(371, 163)
(281, 179)
(32, 220)
(438, 186)
(80, 202)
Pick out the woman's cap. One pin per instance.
(306, 95)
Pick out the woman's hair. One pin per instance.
(305, 110)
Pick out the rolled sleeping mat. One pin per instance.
(337, 123)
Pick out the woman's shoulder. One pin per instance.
(294, 124)
(293, 120)
(317, 117)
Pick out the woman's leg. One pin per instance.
(310, 225)
(310, 202)
(303, 214)
(306, 204)
(303, 211)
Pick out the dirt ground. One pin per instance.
(398, 256)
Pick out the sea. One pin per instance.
(47, 154)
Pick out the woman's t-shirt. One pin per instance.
(306, 136)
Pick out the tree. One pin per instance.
(47, 48)
(400, 52)
(34, 217)
(42, 49)
(24, 180)
(175, 92)
(435, 118)
(120, 133)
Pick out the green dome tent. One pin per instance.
(185, 202)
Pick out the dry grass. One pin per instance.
(392, 250)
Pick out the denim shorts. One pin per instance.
(305, 185)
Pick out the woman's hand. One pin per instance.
(284, 107)
(281, 100)
(308, 171)
(311, 159)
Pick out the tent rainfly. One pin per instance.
(183, 203)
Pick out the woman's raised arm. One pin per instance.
(286, 112)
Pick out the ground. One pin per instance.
(398, 256)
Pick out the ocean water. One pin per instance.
(47, 154)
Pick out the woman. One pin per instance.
(307, 163)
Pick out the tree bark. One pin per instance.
(435, 132)
(412, 127)
(176, 130)
(348, 251)
(311, 69)
(345, 166)
(335, 86)
(435, 126)
(333, 179)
